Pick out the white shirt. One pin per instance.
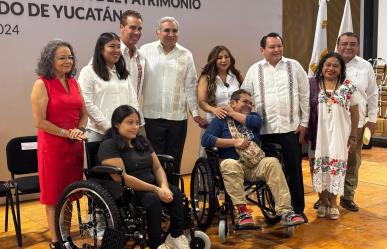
(281, 107)
(361, 75)
(136, 69)
(103, 97)
(170, 83)
(223, 93)
(135, 66)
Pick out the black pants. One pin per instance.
(153, 205)
(167, 137)
(292, 154)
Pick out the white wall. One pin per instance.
(237, 24)
(382, 31)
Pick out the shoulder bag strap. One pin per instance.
(231, 126)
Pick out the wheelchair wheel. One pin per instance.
(83, 212)
(266, 204)
(290, 231)
(202, 193)
(200, 241)
(223, 230)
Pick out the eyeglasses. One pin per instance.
(65, 58)
(246, 102)
(170, 30)
(351, 44)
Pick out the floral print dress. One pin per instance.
(333, 130)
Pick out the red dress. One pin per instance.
(60, 160)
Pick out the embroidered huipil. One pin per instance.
(103, 97)
(334, 128)
(170, 83)
(223, 93)
(361, 75)
(281, 95)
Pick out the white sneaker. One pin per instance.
(180, 242)
(163, 246)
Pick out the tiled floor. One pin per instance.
(364, 229)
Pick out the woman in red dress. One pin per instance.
(59, 114)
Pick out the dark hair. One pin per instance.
(124, 16)
(47, 58)
(99, 64)
(272, 34)
(319, 76)
(210, 70)
(237, 94)
(350, 34)
(119, 114)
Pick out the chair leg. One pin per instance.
(18, 222)
(6, 212)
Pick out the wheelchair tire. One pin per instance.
(202, 193)
(267, 204)
(223, 231)
(200, 241)
(290, 231)
(82, 214)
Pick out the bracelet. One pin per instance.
(353, 137)
(83, 129)
(156, 190)
(62, 132)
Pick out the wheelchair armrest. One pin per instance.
(105, 170)
(212, 150)
(165, 158)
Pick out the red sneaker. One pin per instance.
(289, 218)
(245, 219)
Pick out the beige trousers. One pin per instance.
(353, 165)
(269, 170)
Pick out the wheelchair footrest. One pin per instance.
(254, 227)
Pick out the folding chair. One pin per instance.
(6, 192)
(21, 160)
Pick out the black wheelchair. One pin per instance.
(207, 188)
(100, 213)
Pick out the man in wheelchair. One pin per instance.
(234, 171)
(143, 172)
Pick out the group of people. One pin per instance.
(138, 102)
(327, 111)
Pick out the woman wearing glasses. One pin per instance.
(105, 85)
(60, 116)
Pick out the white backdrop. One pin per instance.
(238, 24)
(382, 31)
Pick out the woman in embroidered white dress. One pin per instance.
(338, 117)
(218, 80)
(105, 85)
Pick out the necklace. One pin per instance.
(329, 96)
(223, 78)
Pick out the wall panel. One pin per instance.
(299, 21)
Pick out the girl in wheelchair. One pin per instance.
(123, 147)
